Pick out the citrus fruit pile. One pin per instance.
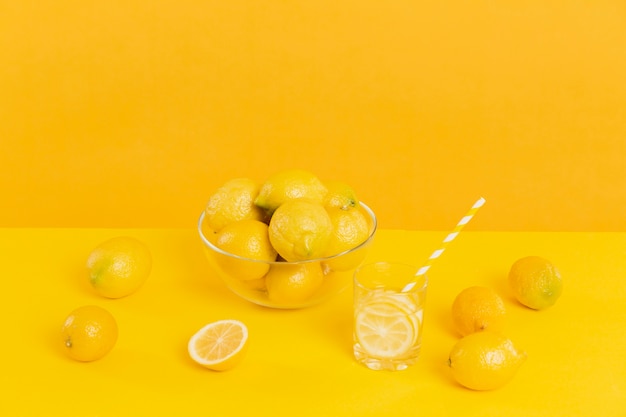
(485, 359)
(283, 242)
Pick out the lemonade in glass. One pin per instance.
(388, 319)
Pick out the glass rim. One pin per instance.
(422, 282)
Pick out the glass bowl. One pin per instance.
(323, 277)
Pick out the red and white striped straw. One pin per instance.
(451, 236)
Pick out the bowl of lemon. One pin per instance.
(292, 241)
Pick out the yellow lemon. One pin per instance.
(291, 284)
(349, 229)
(231, 202)
(255, 284)
(220, 345)
(289, 185)
(246, 239)
(485, 360)
(476, 309)
(536, 282)
(89, 333)
(300, 230)
(340, 195)
(119, 266)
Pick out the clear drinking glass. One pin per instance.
(387, 330)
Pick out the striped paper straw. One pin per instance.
(451, 236)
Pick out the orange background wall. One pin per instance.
(129, 113)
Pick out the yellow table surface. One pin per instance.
(300, 362)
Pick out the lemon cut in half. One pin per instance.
(220, 345)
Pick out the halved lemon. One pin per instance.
(219, 345)
(386, 329)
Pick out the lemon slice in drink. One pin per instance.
(405, 303)
(386, 329)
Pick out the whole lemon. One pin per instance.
(288, 185)
(231, 202)
(485, 360)
(292, 284)
(247, 239)
(340, 195)
(300, 230)
(478, 308)
(535, 282)
(349, 229)
(119, 266)
(88, 333)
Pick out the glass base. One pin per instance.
(378, 364)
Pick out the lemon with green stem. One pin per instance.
(300, 230)
(119, 266)
(340, 195)
(536, 282)
(288, 185)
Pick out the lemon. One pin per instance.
(340, 195)
(247, 239)
(300, 230)
(476, 309)
(536, 282)
(256, 284)
(485, 360)
(231, 202)
(119, 266)
(220, 345)
(349, 229)
(292, 284)
(89, 333)
(289, 185)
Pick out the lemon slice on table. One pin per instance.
(219, 345)
(386, 329)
